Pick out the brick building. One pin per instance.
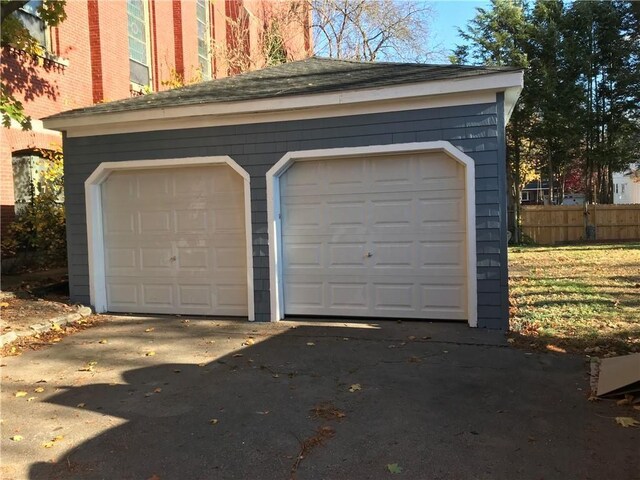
(108, 50)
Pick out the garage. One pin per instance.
(361, 189)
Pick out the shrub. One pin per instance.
(38, 234)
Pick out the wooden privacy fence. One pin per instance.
(550, 224)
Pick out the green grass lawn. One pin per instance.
(577, 298)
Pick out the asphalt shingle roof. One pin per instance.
(311, 76)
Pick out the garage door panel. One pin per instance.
(152, 184)
(183, 248)
(380, 240)
(392, 171)
(122, 293)
(394, 296)
(157, 294)
(350, 173)
(449, 253)
(304, 255)
(346, 254)
(304, 294)
(341, 214)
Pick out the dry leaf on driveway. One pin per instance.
(39, 390)
(150, 354)
(310, 344)
(627, 422)
(16, 438)
(355, 387)
(21, 393)
(394, 468)
(89, 368)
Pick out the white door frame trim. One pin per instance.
(95, 234)
(275, 226)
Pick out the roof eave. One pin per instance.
(510, 82)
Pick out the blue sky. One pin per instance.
(449, 15)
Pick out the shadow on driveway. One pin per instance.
(441, 401)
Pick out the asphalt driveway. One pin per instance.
(177, 398)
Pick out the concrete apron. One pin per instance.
(192, 398)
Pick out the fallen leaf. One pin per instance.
(39, 390)
(103, 341)
(411, 337)
(157, 390)
(150, 354)
(55, 327)
(4, 304)
(355, 387)
(213, 421)
(149, 329)
(627, 422)
(31, 399)
(248, 341)
(511, 340)
(21, 393)
(310, 344)
(57, 438)
(89, 368)
(81, 405)
(47, 444)
(16, 438)
(394, 468)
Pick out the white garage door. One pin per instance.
(375, 237)
(174, 241)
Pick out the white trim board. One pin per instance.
(431, 94)
(275, 226)
(95, 236)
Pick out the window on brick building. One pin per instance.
(29, 16)
(139, 63)
(204, 29)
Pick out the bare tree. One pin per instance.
(260, 39)
(371, 30)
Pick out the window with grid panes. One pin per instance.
(138, 52)
(204, 54)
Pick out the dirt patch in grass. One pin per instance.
(18, 314)
(578, 298)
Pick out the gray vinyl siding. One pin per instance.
(475, 129)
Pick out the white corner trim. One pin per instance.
(275, 226)
(429, 94)
(95, 234)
